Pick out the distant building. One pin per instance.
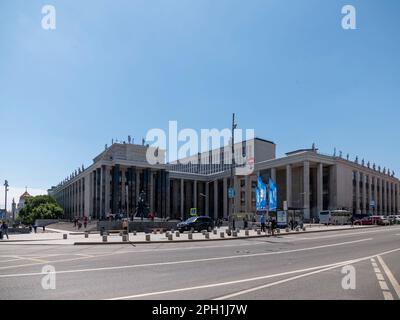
(22, 200)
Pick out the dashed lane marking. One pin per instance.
(390, 276)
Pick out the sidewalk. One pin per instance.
(56, 236)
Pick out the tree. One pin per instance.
(39, 207)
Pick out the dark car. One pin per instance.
(196, 224)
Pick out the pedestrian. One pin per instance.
(85, 220)
(79, 225)
(245, 224)
(1, 231)
(75, 222)
(44, 228)
(233, 224)
(262, 221)
(273, 226)
(291, 224)
(35, 228)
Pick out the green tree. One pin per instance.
(40, 207)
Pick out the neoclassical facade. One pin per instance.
(308, 180)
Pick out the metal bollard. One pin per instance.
(125, 238)
(247, 233)
(207, 235)
(222, 234)
(65, 236)
(190, 236)
(258, 232)
(104, 238)
(147, 237)
(234, 233)
(215, 231)
(177, 234)
(86, 234)
(278, 230)
(134, 232)
(170, 237)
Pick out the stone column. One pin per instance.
(175, 199)
(389, 198)
(215, 199)
(364, 194)
(273, 175)
(289, 185)
(167, 195)
(236, 200)
(247, 193)
(384, 211)
(151, 191)
(207, 199)
(195, 194)
(358, 210)
(182, 186)
(225, 197)
(375, 195)
(320, 187)
(380, 196)
(107, 189)
(306, 187)
(369, 193)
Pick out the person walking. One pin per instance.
(85, 220)
(3, 230)
(262, 221)
(273, 226)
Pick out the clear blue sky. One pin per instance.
(113, 68)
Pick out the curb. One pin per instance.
(217, 239)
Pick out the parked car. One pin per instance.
(394, 219)
(196, 224)
(380, 220)
(364, 221)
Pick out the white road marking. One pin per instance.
(387, 295)
(328, 267)
(213, 285)
(380, 277)
(390, 276)
(383, 285)
(381, 280)
(246, 256)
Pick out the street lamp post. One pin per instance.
(6, 185)
(231, 182)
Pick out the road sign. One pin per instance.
(193, 211)
(231, 193)
(372, 204)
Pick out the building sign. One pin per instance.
(231, 193)
(193, 211)
(272, 196)
(281, 218)
(261, 195)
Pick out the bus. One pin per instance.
(335, 217)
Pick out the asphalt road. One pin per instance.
(299, 266)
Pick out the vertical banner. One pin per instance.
(272, 196)
(261, 195)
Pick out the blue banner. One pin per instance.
(261, 195)
(272, 196)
